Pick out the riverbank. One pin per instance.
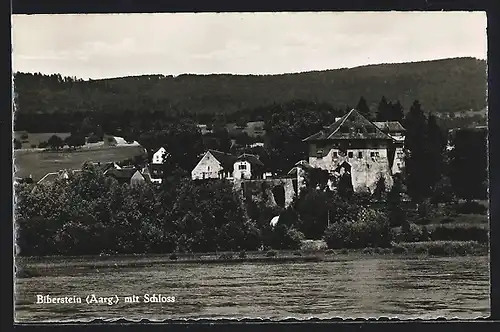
(33, 266)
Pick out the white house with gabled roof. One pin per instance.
(159, 156)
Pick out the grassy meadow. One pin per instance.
(38, 163)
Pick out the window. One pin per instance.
(350, 154)
(242, 166)
(360, 154)
(377, 154)
(335, 154)
(372, 154)
(208, 168)
(400, 154)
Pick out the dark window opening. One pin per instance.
(279, 195)
(372, 154)
(360, 154)
(351, 154)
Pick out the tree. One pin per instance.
(396, 112)
(383, 110)
(94, 139)
(468, 166)
(288, 124)
(224, 140)
(396, 214)
(87, 127)
(75, 140)
(436, 143)
(208, 217)
(380, 188)
(416, 159)
(363, 109)
(55, 142)
(345, 188)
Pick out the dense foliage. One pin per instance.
(443, 86)
(92, 214)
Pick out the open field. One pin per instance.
(39, 163)
(35, 138)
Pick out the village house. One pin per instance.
(214, 165)
(219, 165)
(118, 141)
(159, 156)
(156, 166)
(355, 147)
(130, 175)
(248, 166)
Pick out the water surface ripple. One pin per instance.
(370, 287)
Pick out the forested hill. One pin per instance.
(450, 85)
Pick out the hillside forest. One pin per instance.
(91, 214)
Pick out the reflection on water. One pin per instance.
(389, 287)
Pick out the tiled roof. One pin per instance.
(121, 174)
(227, 160)
(50, 177)
(390, 126)
(351, 126)
(53, 176)
(251, 158)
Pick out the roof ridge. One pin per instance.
(380, 130)
(328, 126)
(342, 122)
(226, 153)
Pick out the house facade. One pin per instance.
(159, 156)
(355, 147)
(214, 165)
(398, 134)
(248, 166)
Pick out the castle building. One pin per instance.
(356, 147)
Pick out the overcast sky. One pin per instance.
(98, 46)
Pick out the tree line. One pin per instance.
(444, 86)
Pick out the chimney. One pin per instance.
(338, 118)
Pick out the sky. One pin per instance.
(113, 45)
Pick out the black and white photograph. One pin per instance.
(267, 165)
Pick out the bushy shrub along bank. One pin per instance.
(441, 248)
(371, 229)
(444, 232)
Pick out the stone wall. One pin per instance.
(262, 190)
(399, 162)
(367, 165)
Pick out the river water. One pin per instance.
(392, 287)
